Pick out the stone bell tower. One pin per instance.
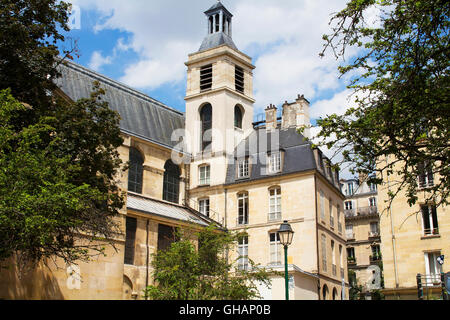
(219, 98)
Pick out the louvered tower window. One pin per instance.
(206, 77)
(239, 79)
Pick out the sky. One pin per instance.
(145, 43)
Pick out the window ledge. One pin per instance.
(431, 236)
(204, 185)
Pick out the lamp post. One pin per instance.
(286, 236)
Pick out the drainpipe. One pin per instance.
(147, 262)
(394, 249)
(226, 205)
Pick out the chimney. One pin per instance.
(271, 117)
(303, 118)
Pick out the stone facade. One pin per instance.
(362, 232)
(307, 190)
(408, 249)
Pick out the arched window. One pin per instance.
(171, 188)
(335, 294)
(237, 117)
(135, 171)
(206, 123)
(325, 292)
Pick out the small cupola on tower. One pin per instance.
(219, 23)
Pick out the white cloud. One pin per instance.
(98, 61)
(288, 34)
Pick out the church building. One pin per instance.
(212, 163)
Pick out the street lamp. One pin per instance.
(286, 236)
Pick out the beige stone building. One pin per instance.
(412, 239)
(212, 163)
(363, 232)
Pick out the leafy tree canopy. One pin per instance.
(400, 126)
(184, 272)
(58, 158)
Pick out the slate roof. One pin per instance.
(217, 7)
(215, 40)
(166, 210)
(298, 155)
(142, 116)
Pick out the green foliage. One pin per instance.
(29, 34)
(58, 159)
(401, 80)
(186, 273)
(57, 189)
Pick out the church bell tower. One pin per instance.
(219, 99)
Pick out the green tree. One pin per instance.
(184, 272)
(59, 162)
(400, 77)
(58, 194)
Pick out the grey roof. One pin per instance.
(298, 154)
(217, 7)
(141, 115)
(217, 39)
(166, 210)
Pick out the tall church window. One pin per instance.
(130, 238)
(206, 77)
(135, 171)
(239, 79)
(237, 117)
(206, 123)
(171, 186)
(166, 236)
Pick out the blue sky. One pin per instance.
(144, 44)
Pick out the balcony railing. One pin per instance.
(361, 211)
(374, 234)
(431, 232)
(242, 221)
(351, 260)
(350, 236)
(375, 258)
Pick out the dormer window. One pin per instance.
(275, 162)
(243, 168)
